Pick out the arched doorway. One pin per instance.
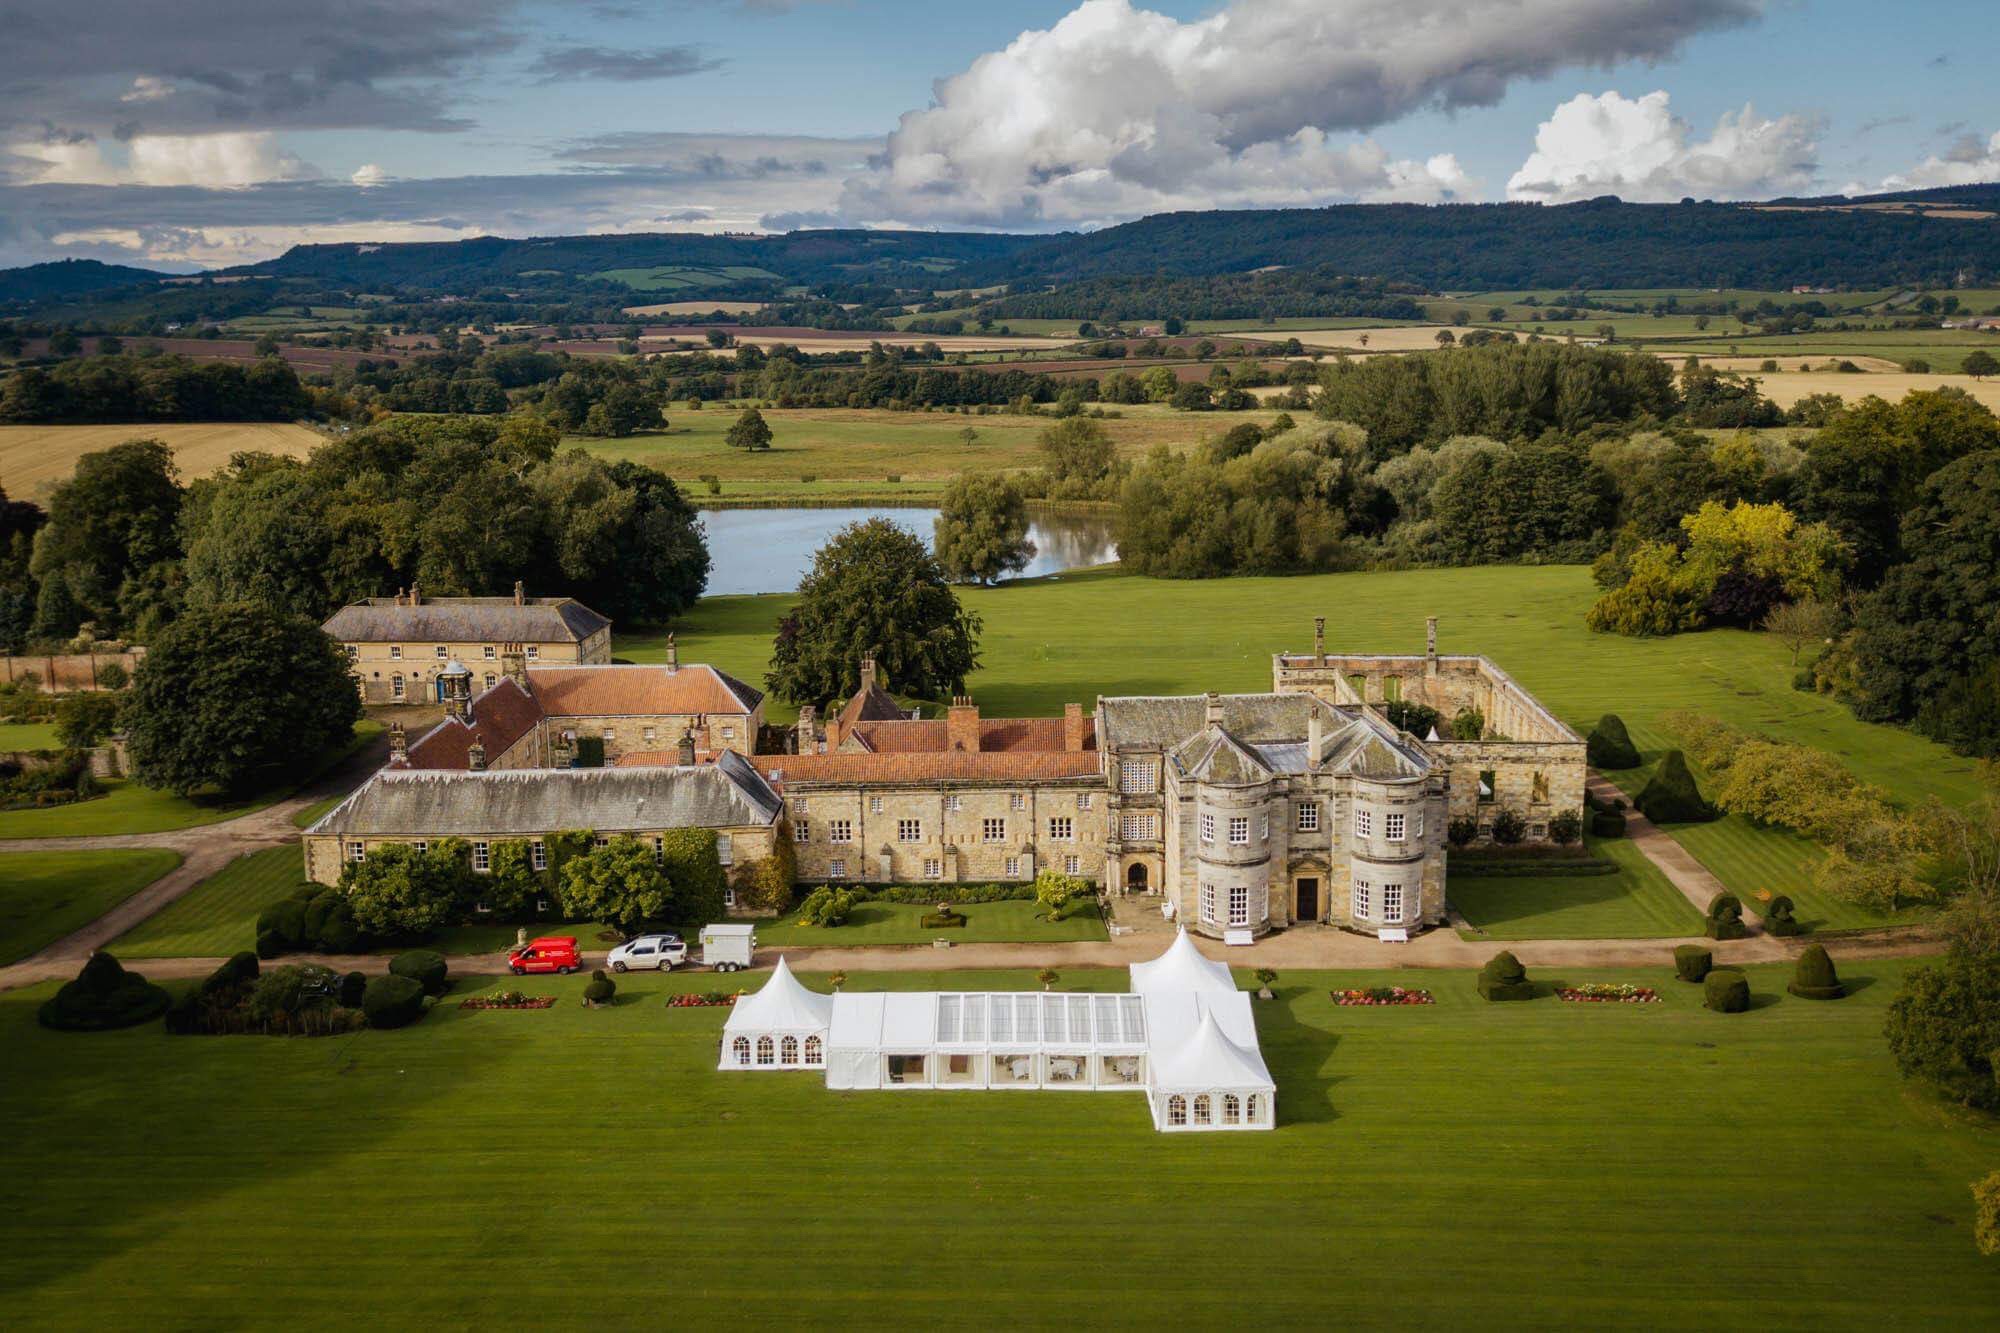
(1135, 878)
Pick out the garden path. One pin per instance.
(1676, 862)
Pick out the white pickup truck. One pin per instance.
(661, 952)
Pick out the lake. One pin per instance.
(768, 550)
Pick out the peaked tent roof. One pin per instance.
(1182, 968)
(782, 1005)
(1211, 1060)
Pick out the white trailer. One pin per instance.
(728, 947)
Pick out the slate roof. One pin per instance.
(1161, 722)
(872, 704)
(466, 620)
(638, 691)
(946, 766)
(1260, 735)
(999, 734)
(501, 716)
(417, 803)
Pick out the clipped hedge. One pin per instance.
(1503, 978)
(1726, 992)
(1781, 918)
(599, 989)
(1474, 868)
(942, 921)
(352, 987)
(1672, 797)
(426, 967)
(1609, 746)
(1725, 918)
(281, 928)
(1814, 977)
(103, 996)
(329, 923)
(1692, 962)
(392, 1002)
(1608, 824)
(920, 894)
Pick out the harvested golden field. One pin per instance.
(34, 457)
(1390, 338)
(1787, 388)
(860, 342)
(1753, 364)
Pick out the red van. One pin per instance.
(551, 953)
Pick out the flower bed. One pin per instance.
(701, 1000)
(1374, 995)
(508, 999)
(1604, 992)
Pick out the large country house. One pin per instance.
(1243, 812)
(400, 646)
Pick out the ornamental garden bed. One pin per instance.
(1601, 992)
(509, 999)
(1380, 995)
(701, 1000)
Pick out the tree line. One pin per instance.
(123, 388)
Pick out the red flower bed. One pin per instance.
(1598, 992)
(1377, 995)
(701, 1000)
(509, 1000)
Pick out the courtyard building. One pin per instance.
(399, 646)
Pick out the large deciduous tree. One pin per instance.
(1944, 1027)
(232, 696)
(982, 528)
(875, 591)
(110, 541)
(749, 431)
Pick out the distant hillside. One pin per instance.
(69, 277)
(678, 264)
(1602, 243)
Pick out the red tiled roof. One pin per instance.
(660, 758)
(638, 691)
(997, 735)
(949, 766)
(501, 716)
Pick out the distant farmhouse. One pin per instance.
(399, 645)
(1242, 813)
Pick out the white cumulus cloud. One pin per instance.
(1639, 150)
(1117, 110)
(1969, 161)
(368, 175)
(230, 161)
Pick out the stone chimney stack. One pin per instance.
(1073, 727)
(416, 599)
(673, 655)
(514, 664)
(401, 593)
(686, 749)
(1212, 710)
(1313, 738)
(867, 674)
(399, 746)
(475, 757)
(807, 732)
(520, 594)
(962, 724)
(1430, 645)
(1319, 640)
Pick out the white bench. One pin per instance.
(1236, 937)
(1393, 935)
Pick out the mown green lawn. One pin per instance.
(897, 923)
(1597, 1166)
(127, 807)
(46, 895)
(1636, 903)
(219, 915)
(27, 736)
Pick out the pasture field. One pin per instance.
(218, 916)
(1533, 1156)
(1075, 636)
(46, 895)
(1548, 296)
(851, 453)
(32, 457)
(1945, 349)
(1636, 903)
(898, 923)
(676, 277)
(695, 308)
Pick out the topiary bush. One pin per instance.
(103, 996)
(1692, 962)
(1725, 918)
(426, 967)
(352, 987)
(392, 1001)
(1781, 918)
(1726, 992)
(1672, 797)
(281, 928)
(599, 989)
(1814, 977)
(1503, 978)
(1609, 746)
(329, 924)
(1608, 824)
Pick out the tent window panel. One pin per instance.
(906, 1068)
(814, 1056)
(1106, 1019)
(1232, 1109)
(1003, 1018)
(975, 1018)
(1053, 1026)
(956, 1069)
(788, 1051)
(947, 1017)
(1177, 1110)
(1009, 1069)
(1066, 1068)
(767, 1051)
(740, 1048)
(1135, 1017)
(1079, 1018)
(1120, 1070)
(1202, 1109)
(1027, 1020)
(1256, 1109)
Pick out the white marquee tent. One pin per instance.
(782, 1026)
(1182, 968)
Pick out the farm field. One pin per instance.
(1787, 388)
(1944, 349)
(46, 895)
(218, 916)
(897, 923)
(1636, 903)
(695, 308)
(253, 1147)
(850, 453)
(32, 457)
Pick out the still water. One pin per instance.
(767, 550)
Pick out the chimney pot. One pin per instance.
(867, 673)
(686, 749)
(1312, 738)
(514, 664)
(962, 724)
(520, 594)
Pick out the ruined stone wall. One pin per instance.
(1535, 781)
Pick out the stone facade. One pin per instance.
(399, 646)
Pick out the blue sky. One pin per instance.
(214, 131)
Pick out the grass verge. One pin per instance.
(46, 895)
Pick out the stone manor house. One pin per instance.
(1242, 812)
